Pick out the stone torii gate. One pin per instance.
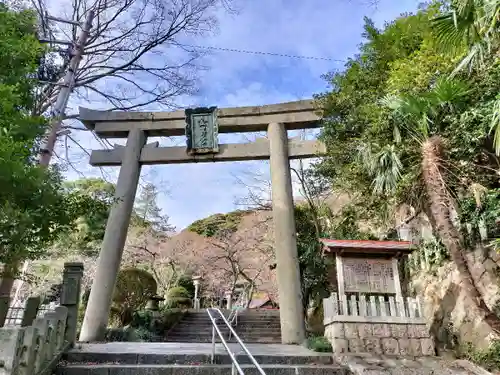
(201, 126)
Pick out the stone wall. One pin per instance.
(450, 314)
(380, 338)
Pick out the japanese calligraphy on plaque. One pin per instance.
(368, 275)
(202, 131)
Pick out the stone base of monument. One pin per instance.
(377, 325)
(380, 338)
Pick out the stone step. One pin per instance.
(207, 369)
(186, 327)
(188, 359)
(204, 340)
(191, 326)
(208, 338)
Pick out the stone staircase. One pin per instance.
(254, 326)
(137, 358)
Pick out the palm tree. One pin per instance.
(418, 121)
(472, 28)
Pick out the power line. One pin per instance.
(259, 53)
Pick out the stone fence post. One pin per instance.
(4, 308)
(70, 297)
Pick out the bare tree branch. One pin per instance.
(134, 56)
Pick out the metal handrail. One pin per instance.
(235, 364)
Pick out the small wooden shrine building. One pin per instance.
(367, 268)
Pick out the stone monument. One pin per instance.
(368, 312)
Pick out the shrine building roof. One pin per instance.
(367, 247)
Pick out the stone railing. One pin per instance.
(376, 324)
(372, 308)
(37, 344)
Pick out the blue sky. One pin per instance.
(319, 28)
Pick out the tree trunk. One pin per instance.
(439, 203)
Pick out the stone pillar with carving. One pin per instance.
(196, 301)
(70, 297)
(229, 299)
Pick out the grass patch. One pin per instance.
(319, 344)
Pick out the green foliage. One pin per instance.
(389, 98)
(147, 214)
(319, 344)
(488, 358)
(484, 211)
(94, 197)
(35, 209)
(313, 265)
(178, 297)
(186, 281)
(119, 335)
(219, 224)
(145, 326)
(431, 252)
(133, 289)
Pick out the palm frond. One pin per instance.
(475, 58)
(491, 14)
(449, 34)
(448, 91)
(391, 101)
(495, 125)
(472, 25)
(384, 167)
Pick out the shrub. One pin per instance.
(133, 289)
(119, 335)
(488, 358)
(144, 320)
(186, 281)
(178, 297)
(143, 334)
(319, 344)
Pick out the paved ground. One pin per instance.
(169, 348)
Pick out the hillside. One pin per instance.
(246, 247)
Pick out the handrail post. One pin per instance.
(236, 368)
(213, 344)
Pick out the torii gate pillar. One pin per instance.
(99, 303)
(285, 241)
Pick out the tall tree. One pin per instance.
(135, 56)
(34, 206)
(422, 118)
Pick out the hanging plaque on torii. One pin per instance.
(202, 131)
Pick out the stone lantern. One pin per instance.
(228, 295)
(196, 282)
(153, 305)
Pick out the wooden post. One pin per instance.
(70, 298)
(400, 304)
(340, 284)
